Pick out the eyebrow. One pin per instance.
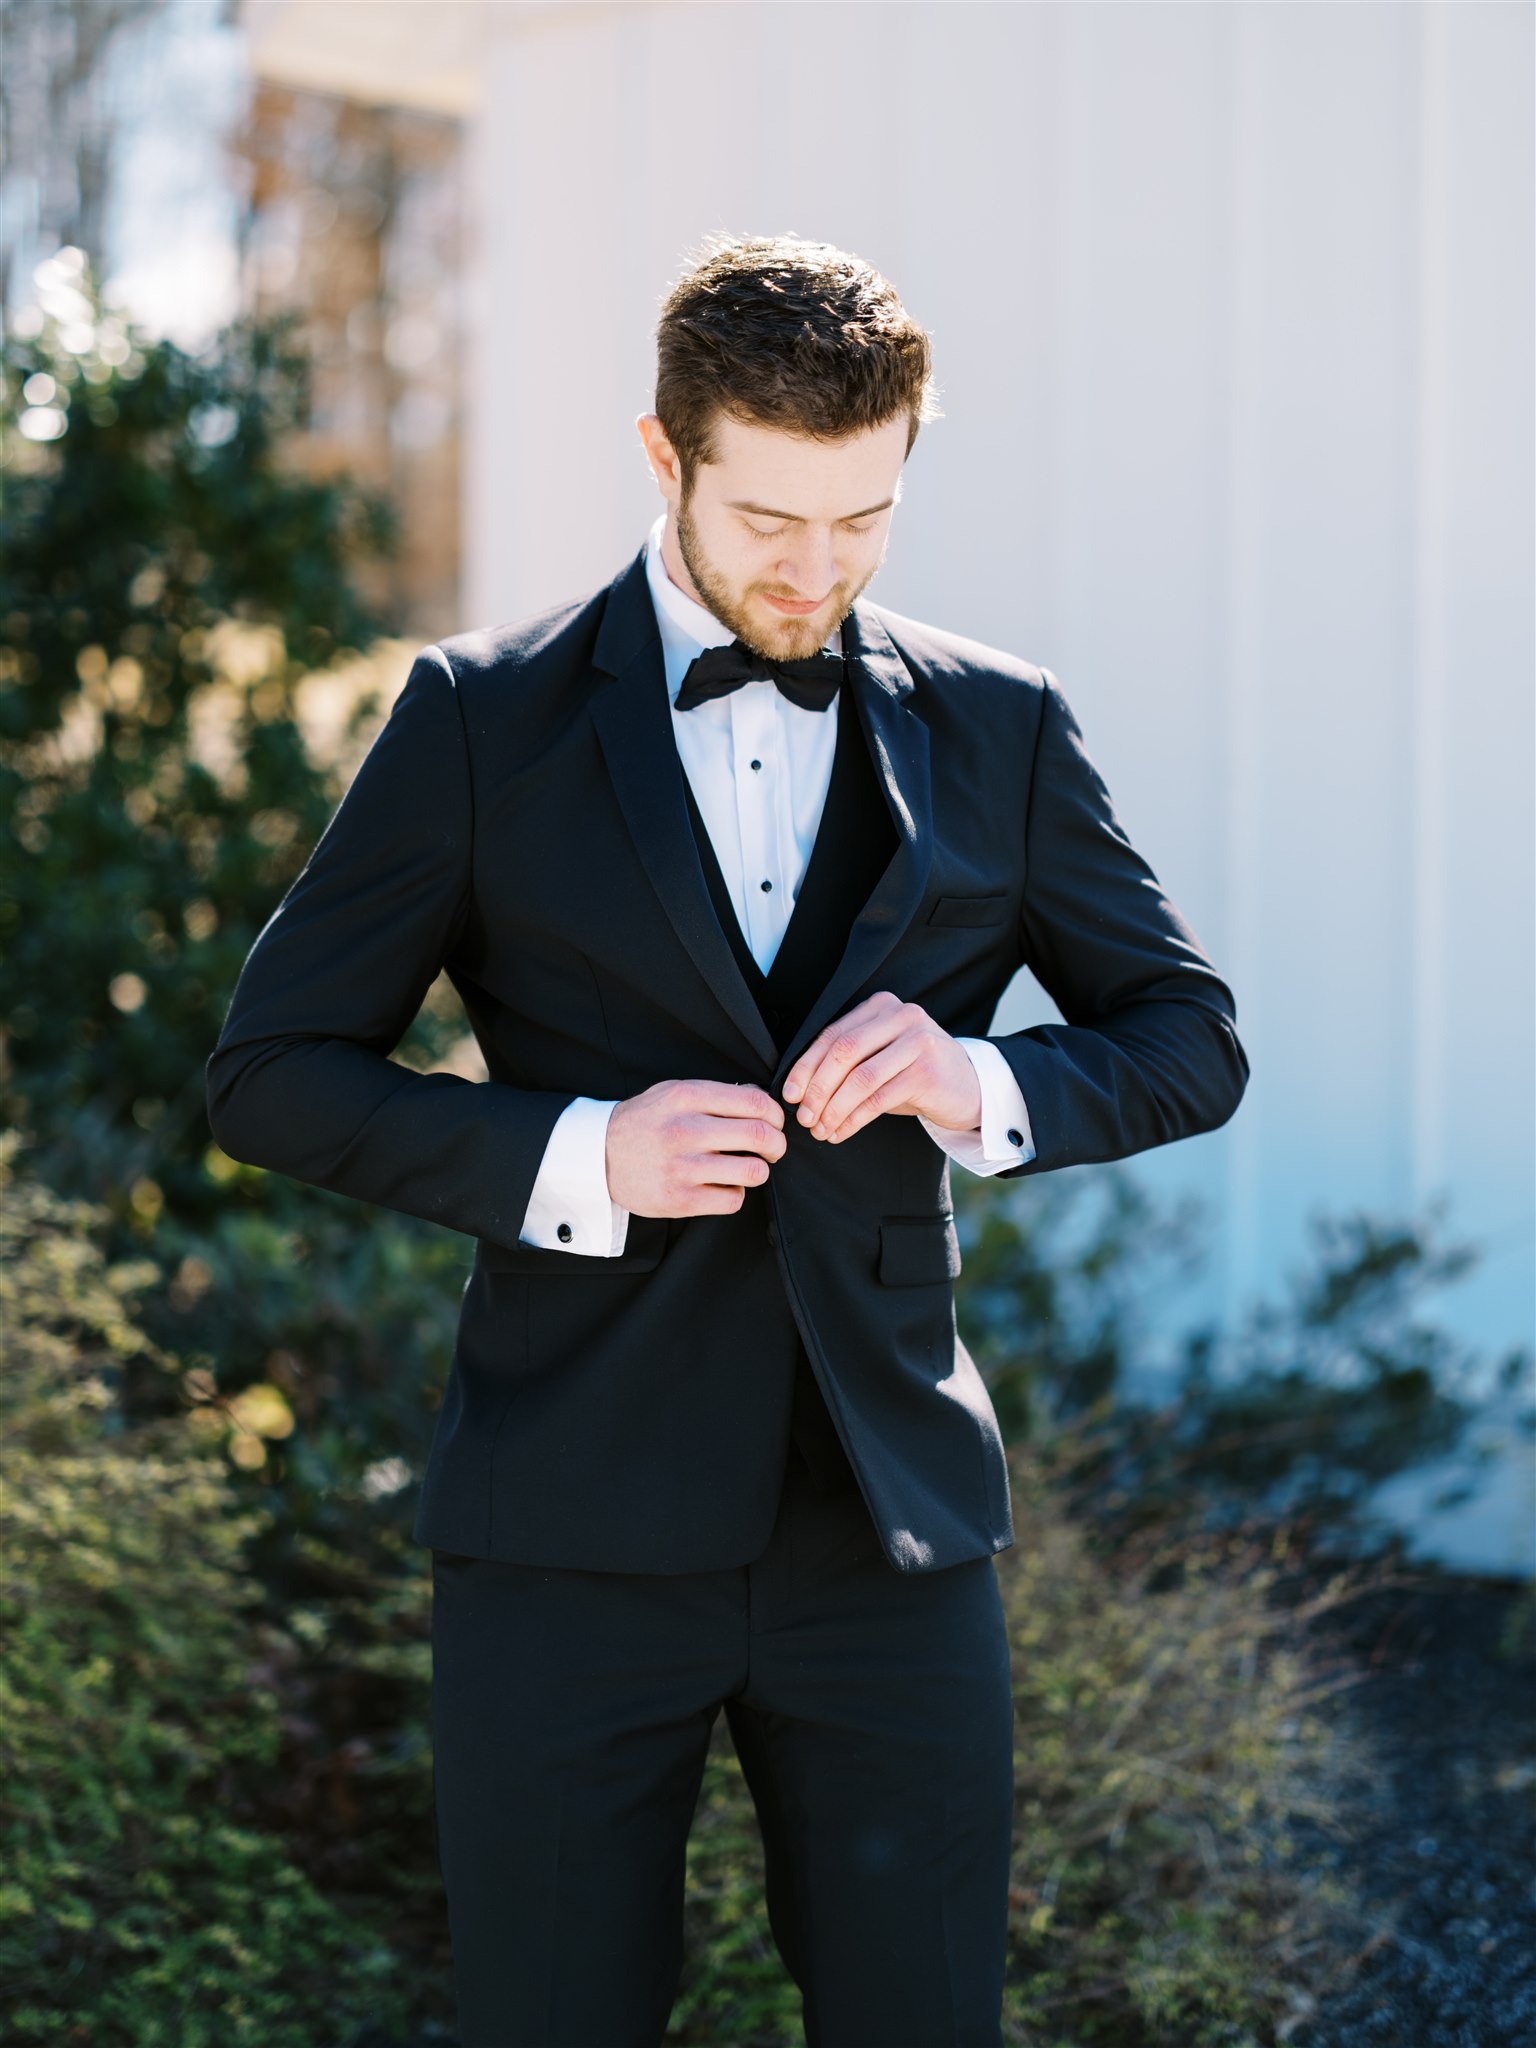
(767, 511)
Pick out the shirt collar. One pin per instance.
(687, 627)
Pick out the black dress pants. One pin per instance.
(872, 1713)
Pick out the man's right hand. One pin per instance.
(692, 1148)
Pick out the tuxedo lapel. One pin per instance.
(633, 720)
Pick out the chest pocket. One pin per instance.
(970, 910)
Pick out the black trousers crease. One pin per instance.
(872, 1714)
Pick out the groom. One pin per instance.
(730, 867)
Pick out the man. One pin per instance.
(730, 867)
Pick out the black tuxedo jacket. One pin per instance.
(521, 822)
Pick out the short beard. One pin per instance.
(801, 637)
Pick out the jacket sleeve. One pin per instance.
(300, 1081)
(1149, 1051)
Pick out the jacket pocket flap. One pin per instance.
(989, 909)
(915, 1250)
(645, 1240)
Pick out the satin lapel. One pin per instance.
(898, 747)
(634, 727)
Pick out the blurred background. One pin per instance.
(325, 326)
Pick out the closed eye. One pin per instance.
(773, 532)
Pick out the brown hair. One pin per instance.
(776, 331)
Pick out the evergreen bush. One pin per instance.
(142, 1903)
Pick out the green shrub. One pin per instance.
(1166, 1739)
(140, 1903)
(173, 595)
(167, 588)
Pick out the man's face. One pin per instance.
(779, 534)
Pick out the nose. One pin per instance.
(811, 572)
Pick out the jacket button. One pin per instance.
(563, 1232)
(1015, 1137)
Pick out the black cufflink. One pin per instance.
(1015, 1137)
(563, 1232)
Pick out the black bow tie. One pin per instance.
(811, 683)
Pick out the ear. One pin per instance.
(660, 453)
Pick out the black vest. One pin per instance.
(854, 843)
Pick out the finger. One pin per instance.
(872, 1089)
(799, 1075)
(727, 1134)
(726, 1169)
(733, 1098)
(840, 1059)
(848, 1045)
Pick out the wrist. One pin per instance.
(946, 1123)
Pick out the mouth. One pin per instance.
(792, 610)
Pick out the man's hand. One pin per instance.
(692, 1148)
(885, 1057)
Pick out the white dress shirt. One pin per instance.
(759, 767)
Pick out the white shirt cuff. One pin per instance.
(1004, 1138)
(570, 1195)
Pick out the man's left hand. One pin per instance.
(884, 1057)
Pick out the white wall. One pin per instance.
(1232, 308)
